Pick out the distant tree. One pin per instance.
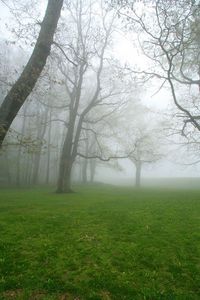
(141, 135)
(145, 150)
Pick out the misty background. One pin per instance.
(123, 126)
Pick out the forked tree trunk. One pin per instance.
(26, 82)
(66, 163)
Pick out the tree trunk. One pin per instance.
(30, 169)
(36, 165)
(92, 169)
(48, 152)
(84, 170)
(9, 179)
(68, 155)
(18, 177)
(26, 82)
(64, 179)
(138, 166)
(41, 130)
(66, 163)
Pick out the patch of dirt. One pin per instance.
(12, 294)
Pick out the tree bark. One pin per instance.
(64, 179)
(26, 82)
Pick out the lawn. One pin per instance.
(100, 243)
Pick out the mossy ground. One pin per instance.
(100, 243)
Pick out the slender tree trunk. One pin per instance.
(30, 169)
(18, 177)
(48, 153)
(36, 165)
(41, 128)
(9, 179)
(26, 169)
(138, 166)
(85, 161)
(92, 169)
(54, 174)
(84, 170)
(26, 82)
(80, 169)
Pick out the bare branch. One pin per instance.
(65, 55)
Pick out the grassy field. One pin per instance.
(100, 243)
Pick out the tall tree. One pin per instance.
(27, 80)
(83, 77)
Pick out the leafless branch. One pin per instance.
(65, 55)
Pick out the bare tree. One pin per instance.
(86, 63)
(169, 38)
(146, 150)
(142, 137)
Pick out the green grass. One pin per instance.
(100, 243)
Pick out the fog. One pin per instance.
(117, 101)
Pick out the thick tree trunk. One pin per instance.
(68, 155)
(26, 82)
(138, 166)
(66, 163)
(67, 179)
(64, 179)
